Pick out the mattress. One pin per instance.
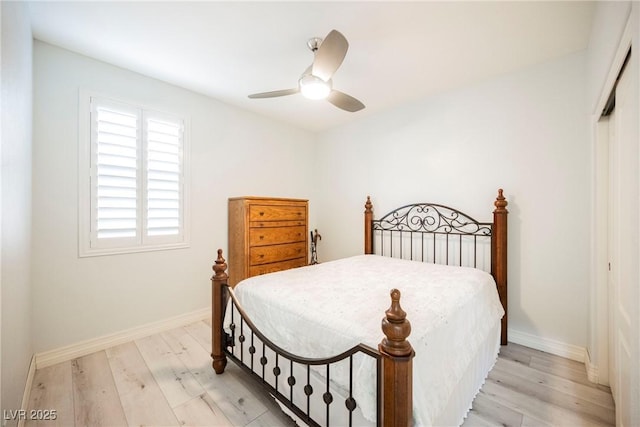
(325, 309)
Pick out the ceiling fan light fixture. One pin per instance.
(313, 87)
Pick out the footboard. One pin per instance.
(282, 373)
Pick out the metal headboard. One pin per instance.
(435, 233)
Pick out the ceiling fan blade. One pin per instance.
(275, 93)
(344, 101)
(330, 55)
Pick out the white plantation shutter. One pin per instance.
(164, 176)
(115, 171)
(137, 184)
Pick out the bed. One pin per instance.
(312, 336)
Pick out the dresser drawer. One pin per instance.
(268, 254)
(277, 213)
(276, 235)
(255, 270)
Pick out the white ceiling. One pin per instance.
(399, 51)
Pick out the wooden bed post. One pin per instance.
(499, 256)
(368, 225)
(219, 298)
(397, 366)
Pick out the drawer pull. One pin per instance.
(261, 255)
(261, 237)
(262, 213)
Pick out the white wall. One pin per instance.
(525, 132)
(15, 202)
(233, 153)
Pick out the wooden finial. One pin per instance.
(500, 203)
(368, 206)
(396, 329)
(220, 267)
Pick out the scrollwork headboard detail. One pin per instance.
(431, 218)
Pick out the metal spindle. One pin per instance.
(291, 381)
(447, 249)
(241, 339)
(434, 247)
(350, 390)
(327, 396)
(475, 255)
(233, 331)
(276, 371)
(263, 360)
(378, 392)
(308, 391)
(252, 349)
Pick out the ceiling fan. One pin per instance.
(315, 82)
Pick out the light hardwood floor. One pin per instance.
(167, 379)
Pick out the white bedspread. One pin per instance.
(325, 309)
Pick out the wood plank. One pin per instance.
(550, 363)
(576, 375)
(547, 394)
(52, 391)
(533, 407)
(237, 402)
(272, 419)
(477, 420)
(202, 334)
(529, 421)
(142, 399)
(201, 411)
(516, 353)
(94, 392)
(488, 411)
(560, 383)
(173, 377)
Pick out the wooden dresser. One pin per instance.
(266, 235)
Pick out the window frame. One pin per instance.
(88, 244)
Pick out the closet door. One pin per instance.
(624, 273)
(613, 247)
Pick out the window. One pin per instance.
(133, 168)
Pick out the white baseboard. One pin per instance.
(84, 348)
(592, 370)
(27, 390)
(548, 345)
